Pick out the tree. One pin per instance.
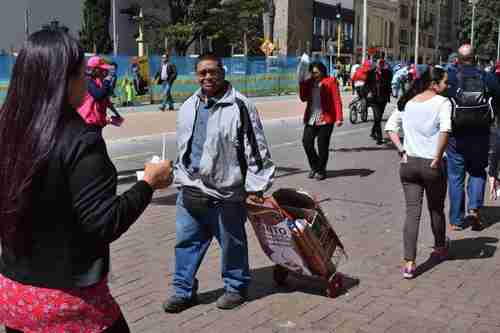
(486, 26)
(232, 22)
(241, 25)
(94, 35)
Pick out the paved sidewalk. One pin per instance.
(364, 202)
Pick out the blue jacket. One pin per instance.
(489, 79)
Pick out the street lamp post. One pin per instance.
(474, 3)
(365, 23)
(417, 32)
(498, 46)
(115, 36)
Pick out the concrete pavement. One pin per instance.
(364, 202)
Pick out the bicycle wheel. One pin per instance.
(364, 112)
(353, 113)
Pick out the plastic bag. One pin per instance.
(303, 68)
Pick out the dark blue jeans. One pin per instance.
(167, 95)
(225, 222)
(466, 155)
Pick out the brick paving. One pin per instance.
(364, 202)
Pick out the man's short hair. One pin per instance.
(211, 57)
(466, 53)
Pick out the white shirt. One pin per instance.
(164, 71)
(315, 105)
(422, 123)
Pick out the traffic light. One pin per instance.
(338, 11)
(132, 11)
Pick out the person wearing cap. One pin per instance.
(97, 99)
(166, 76)
(467, 152)
(379, 94)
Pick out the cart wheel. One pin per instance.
(334, 286)
(353, 114)
(279, 275)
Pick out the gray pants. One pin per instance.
(417, 176)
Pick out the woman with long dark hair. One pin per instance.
(426, 120)
(59, 210)
(323, 112)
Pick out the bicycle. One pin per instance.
(358, 106)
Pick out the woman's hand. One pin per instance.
(493, 188)
(158, 175)
(436, 163)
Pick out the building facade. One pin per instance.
(301, 26)
(382, 30)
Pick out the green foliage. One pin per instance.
(94, 35)
(486, 26)
(190, 19)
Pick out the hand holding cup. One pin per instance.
(159, 175)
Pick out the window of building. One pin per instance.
(317, 26)
(403, 36)
(404, 12)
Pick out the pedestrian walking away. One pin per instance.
(473, 93)
(166, 76)
(222, 160)
(425, 117)
(323, 112)
(379, 94)
(59, 211)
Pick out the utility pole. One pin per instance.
(474, 3)
(438, 31)
(498, 46)
(417, 32)
(115, 35)
(365, 23)
(140, 39)
(27, 15)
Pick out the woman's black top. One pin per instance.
(75, 213)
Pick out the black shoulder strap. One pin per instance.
(247, 128)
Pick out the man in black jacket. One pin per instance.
(166, 76)
(379, 94)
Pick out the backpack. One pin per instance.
(472, 107)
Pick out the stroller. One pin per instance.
(295, 234)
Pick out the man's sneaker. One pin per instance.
(321, 175)
(230, 301)
(161, 108)
(409, 269)
(476, 224)
(176, 304)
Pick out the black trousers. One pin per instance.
(378, 113)
(317, 160)
(120, 326)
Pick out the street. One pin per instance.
(364, 202)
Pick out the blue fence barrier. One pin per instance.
(253, 76)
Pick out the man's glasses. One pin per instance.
(212, 72)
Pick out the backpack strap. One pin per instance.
(247, 128)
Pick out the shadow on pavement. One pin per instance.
(167, 200)
(287, 171)
(362, 149)
(349, 172)
(490, 216)
(472, 248)
(263, 285)
(463, 249)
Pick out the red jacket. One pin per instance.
(331, 104)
